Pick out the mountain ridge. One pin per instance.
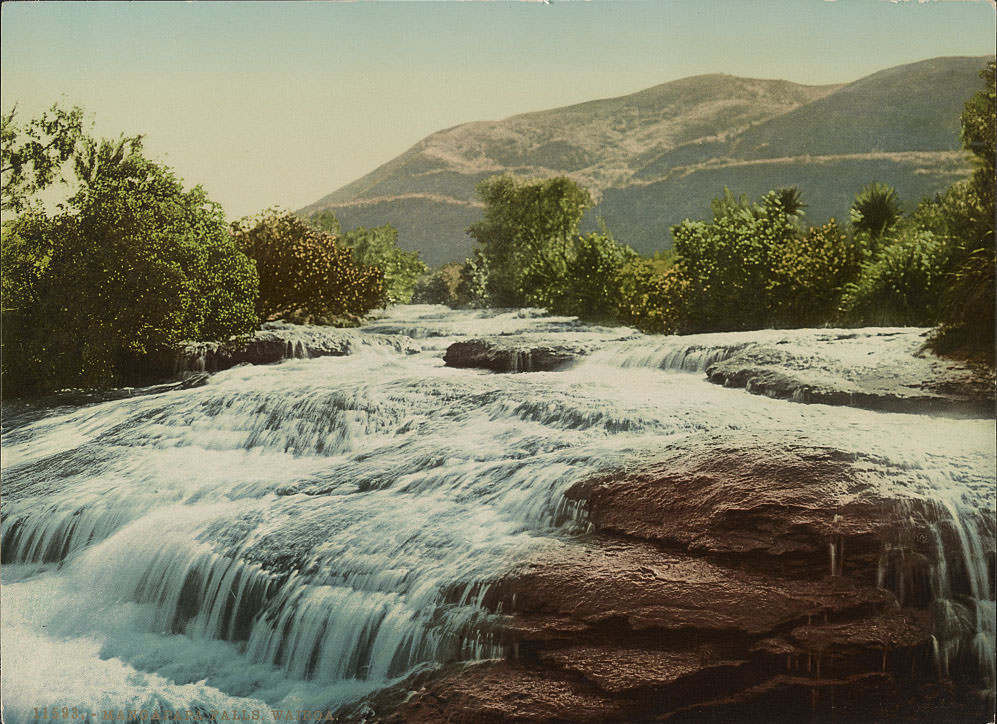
(661, 154)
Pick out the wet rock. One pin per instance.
(731, 580)
(278, 341)
(509, 693)
(512, 356)
(905, 379)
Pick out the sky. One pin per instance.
(281, 103)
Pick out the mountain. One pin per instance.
(660, 155)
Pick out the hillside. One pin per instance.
(657, 156)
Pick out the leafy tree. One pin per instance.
(727, 263)
(591, 284)
(378, 247)
(103, 292)
(967, 297)
(875, 210)
(809, 275)
(305, 274)
(527, 234)
(654, 301)
(440, 287)
(32, 155)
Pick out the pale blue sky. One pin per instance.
(281, 103)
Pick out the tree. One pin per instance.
(103, 292)
(727, 264)
(875, 210)
(527, 234)
(377, 247)
(809, 275)
(900, 286)
(591, 284)
(32, 155)
(305, 274)
(967, 296)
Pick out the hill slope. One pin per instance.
(657, 156)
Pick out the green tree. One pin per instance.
(901, 285)
(527, 234)
(305, 274)
(378, 247)
(728, 262)
(103, 292)
(591, 285)
(32, 155)
(809, 275)
(968, 292)
(875, 210)
(654, 301)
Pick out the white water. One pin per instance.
(296, 536)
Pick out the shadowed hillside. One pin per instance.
(657, 156)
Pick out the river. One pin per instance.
(300, 535)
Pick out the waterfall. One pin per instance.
(302, 534)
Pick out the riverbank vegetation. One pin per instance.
(756, 263)
(103, 289)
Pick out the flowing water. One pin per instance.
(297, 536)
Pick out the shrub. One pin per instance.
(809, 276)
(652, 301)
(901, 285)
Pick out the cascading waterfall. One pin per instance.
(303, 534)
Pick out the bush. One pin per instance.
(590, 288)
(305, 275)
(901, 285)
(809, 276)
(377, 247)
(652, 301)
(727, 264)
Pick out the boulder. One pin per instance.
(512, 356)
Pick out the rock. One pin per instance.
(508, 693)
(278, 341)
(904, 378)
(733, 579)
(195, 379)
(512, 356)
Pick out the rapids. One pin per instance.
(298, 536)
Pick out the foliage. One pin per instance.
(875, 210)
(378, 247)
(527, 234)
(809, 274)
(967, 296)
(440, 287)
(304, 273)
(132, 266)
(901, 285)
(652, 301)
(590, 287)
(32, 155)
(727, 263)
